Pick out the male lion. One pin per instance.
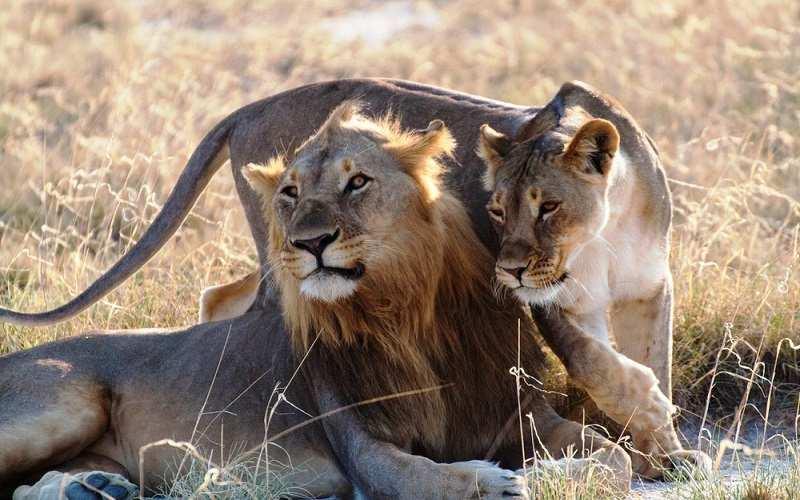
(385, 290)
(584, 224)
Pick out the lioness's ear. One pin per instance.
(264, 178)
(492, 148)
(593, 148)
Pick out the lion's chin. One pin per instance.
(538, 296)
(328, 287)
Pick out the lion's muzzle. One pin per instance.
(316, 245)
(326, 263)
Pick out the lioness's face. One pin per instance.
(341, 209)
(549, 198)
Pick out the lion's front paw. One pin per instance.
(481, 479)
(94, 485)
(90, 485)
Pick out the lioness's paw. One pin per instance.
(650, 408)
(675, 466)
(635, 400)
(82, 486)
(481, 479)
(609, 468)
(689, 464)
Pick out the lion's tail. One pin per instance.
(205, 161)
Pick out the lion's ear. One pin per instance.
(264, 179)
(593, 148)
(493, 147)
(416, 152)
(415, 149)
(342, 113)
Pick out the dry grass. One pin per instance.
(103, 103)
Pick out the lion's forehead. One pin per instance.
(329, 161)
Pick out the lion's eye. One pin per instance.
(290, 191)
(548, 207)
(357, 182)
(496, 214)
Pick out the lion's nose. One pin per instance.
(316, 245)
(515, 271)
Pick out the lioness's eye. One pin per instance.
(548, 207)
(290, 191)
(357, 182)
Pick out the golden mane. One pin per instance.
(397, 306)
(442, 265)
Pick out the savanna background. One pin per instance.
(101, 104)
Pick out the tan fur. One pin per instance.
(585, 144)
(491, 147)
(393, 329)
(229, 300)
(566, 203)
(448, 273)
(52, 437)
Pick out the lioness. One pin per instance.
(357, 219)
(583, 213)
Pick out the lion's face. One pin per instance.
(549, 198)
(345, 204)
(339, 210)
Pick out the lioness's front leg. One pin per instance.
(643, 332)
(382, 470)
(625, 390)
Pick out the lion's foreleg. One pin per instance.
(381, 469)
(643, 332)
(625, 390)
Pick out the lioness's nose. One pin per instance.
(316, 245)
(515, 271)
